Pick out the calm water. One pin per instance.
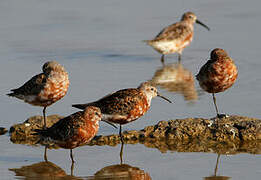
(100, 44)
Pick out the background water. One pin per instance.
(100, 45)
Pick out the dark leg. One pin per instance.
(218, 115)
(179, 58)
(72, 165)
(121, 152)
(71, 155)
(44, 116)
(162, 59)
(120, 134)
(45, 154)
(216, 168)
(214, 100)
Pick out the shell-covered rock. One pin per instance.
(231, 135)
(23, 133)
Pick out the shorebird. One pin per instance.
(174, 38)
(218, 74)
(45, 88)
(125, 105)
(74, 130)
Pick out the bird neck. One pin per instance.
(148, 97)
(94, 124)
(188, 23)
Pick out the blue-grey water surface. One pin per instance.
(100, 45)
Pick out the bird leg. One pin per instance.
(214, 100)
(44, 116)
(220, 116)
(45, 154)
(216, 168)
(179, 58)
(121, 152)
(72, 167)
(162, 59)
(122, 143)
(120, 134)
(71, 155)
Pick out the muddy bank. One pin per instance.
(22, 133)
(236, 134)
(228, 135)
(163, 145)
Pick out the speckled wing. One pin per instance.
(31, 87)
(118, 103)
(203, 69)
(173, 32)
(64, 128)
(206, 70)
(217, 75)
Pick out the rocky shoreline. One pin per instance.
(231, 135)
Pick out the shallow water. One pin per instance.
(100, 45)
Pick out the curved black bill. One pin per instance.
(164, 98)
(110, 123)
(197, 21)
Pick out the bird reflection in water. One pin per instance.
(121, 171)
(175, 78)
(56, 147)
(50, 171)
(215, 177)
(41, 170)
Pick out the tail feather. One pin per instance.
(83, 106)
(14, 93)
(40, 132)
(79, 106)
(17, 95)
(44, 137)
(149, 42)
(11, 94)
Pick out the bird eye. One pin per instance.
(152, 89)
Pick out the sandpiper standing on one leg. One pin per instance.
(174, 38)
(218, 74)
(125, 105)
(46, 88)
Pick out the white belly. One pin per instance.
(165, 47)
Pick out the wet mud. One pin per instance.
(231, 135)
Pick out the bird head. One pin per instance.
(151, 91)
